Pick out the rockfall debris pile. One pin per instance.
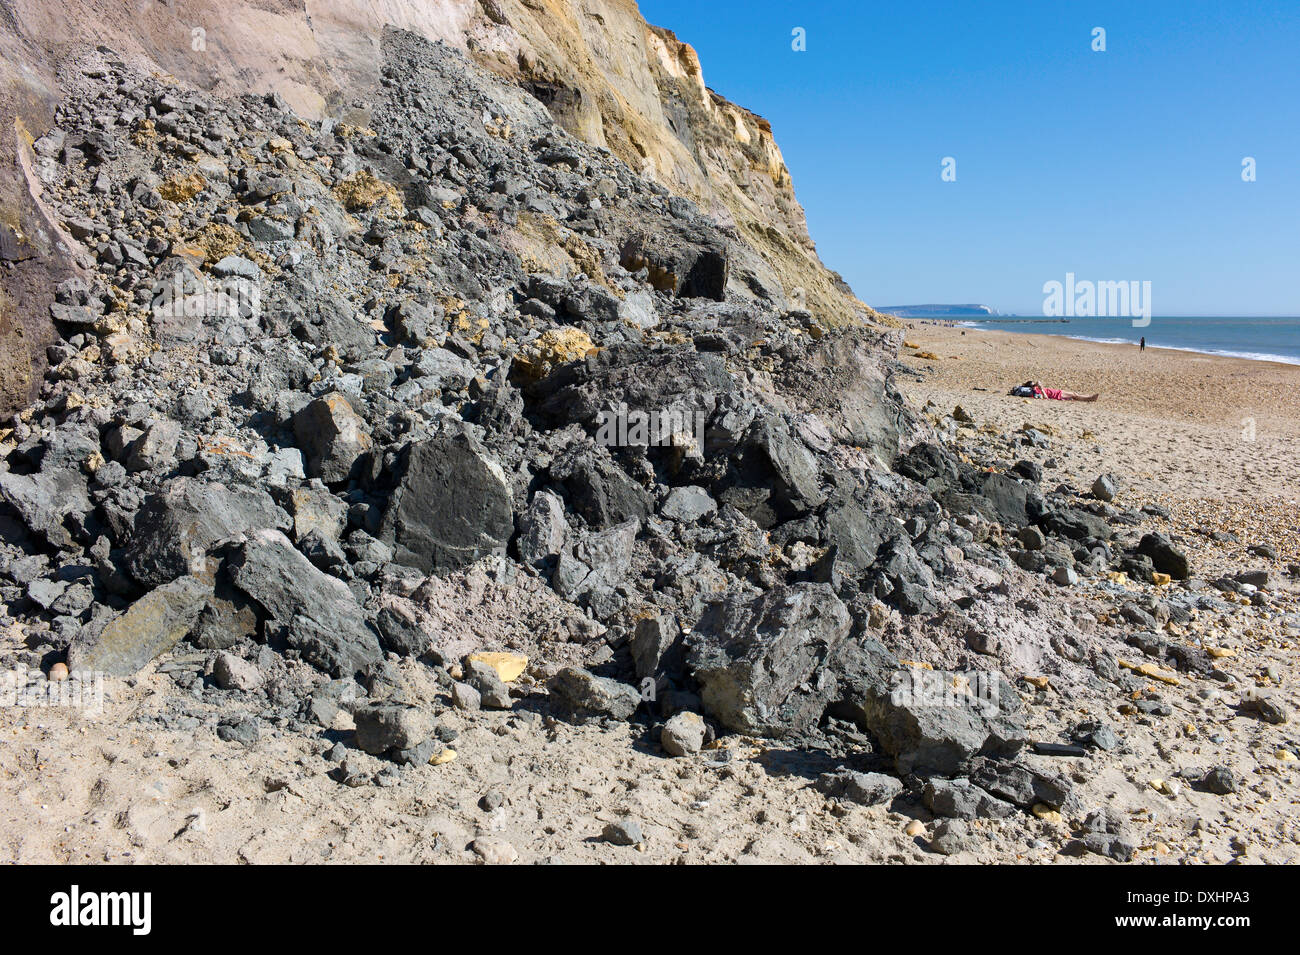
(436, 382)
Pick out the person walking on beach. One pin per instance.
(1142, 343)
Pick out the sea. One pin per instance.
(1262, 339)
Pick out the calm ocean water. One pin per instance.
(1264, 339)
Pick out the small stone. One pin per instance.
(625, 832)
(1065, 576)
(465, 697)
(233, 673)
(1046, 813)
(494, 851)
(1220, 780)
(245, 731)
(59, 672)
(951, 837)
(446, 756)
(683, 734)
(914, 828)
(1266, 709)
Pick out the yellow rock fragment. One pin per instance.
(1041, 682)
(552, 348)
(1159, 579)
(362, 190)
(1285, 755)
(1046, 813)
(509, 666)
(1150, 670)
(914, 828)
(181, 188)
(1220, 652)
(446, 756)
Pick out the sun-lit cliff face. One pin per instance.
(603, 72)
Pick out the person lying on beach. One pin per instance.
(1056, 394)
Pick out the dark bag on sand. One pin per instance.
(1022, 391)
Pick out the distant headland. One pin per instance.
(938, 311)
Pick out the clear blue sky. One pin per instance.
(1116, 166)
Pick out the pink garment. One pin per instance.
(1053, 393)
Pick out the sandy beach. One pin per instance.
(1176, 425)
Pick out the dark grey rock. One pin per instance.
(332, 436)
(543, 530)
(962, 799)
(585, 694)
(452, 506)
(1165, 557)
(688, 504)
(322, 618)
(758, 660)
(179, 525)
(936, 722)
(624, 832)
(1221, 781)
(866, 789)
(1023, 784)
(384, 726)
(45, 500)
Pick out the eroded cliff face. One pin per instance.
(602, 71)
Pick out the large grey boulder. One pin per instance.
(152, 625)
(321, 617)
(937, 722)
(179, 525)
(759, 660)
(452, 506)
